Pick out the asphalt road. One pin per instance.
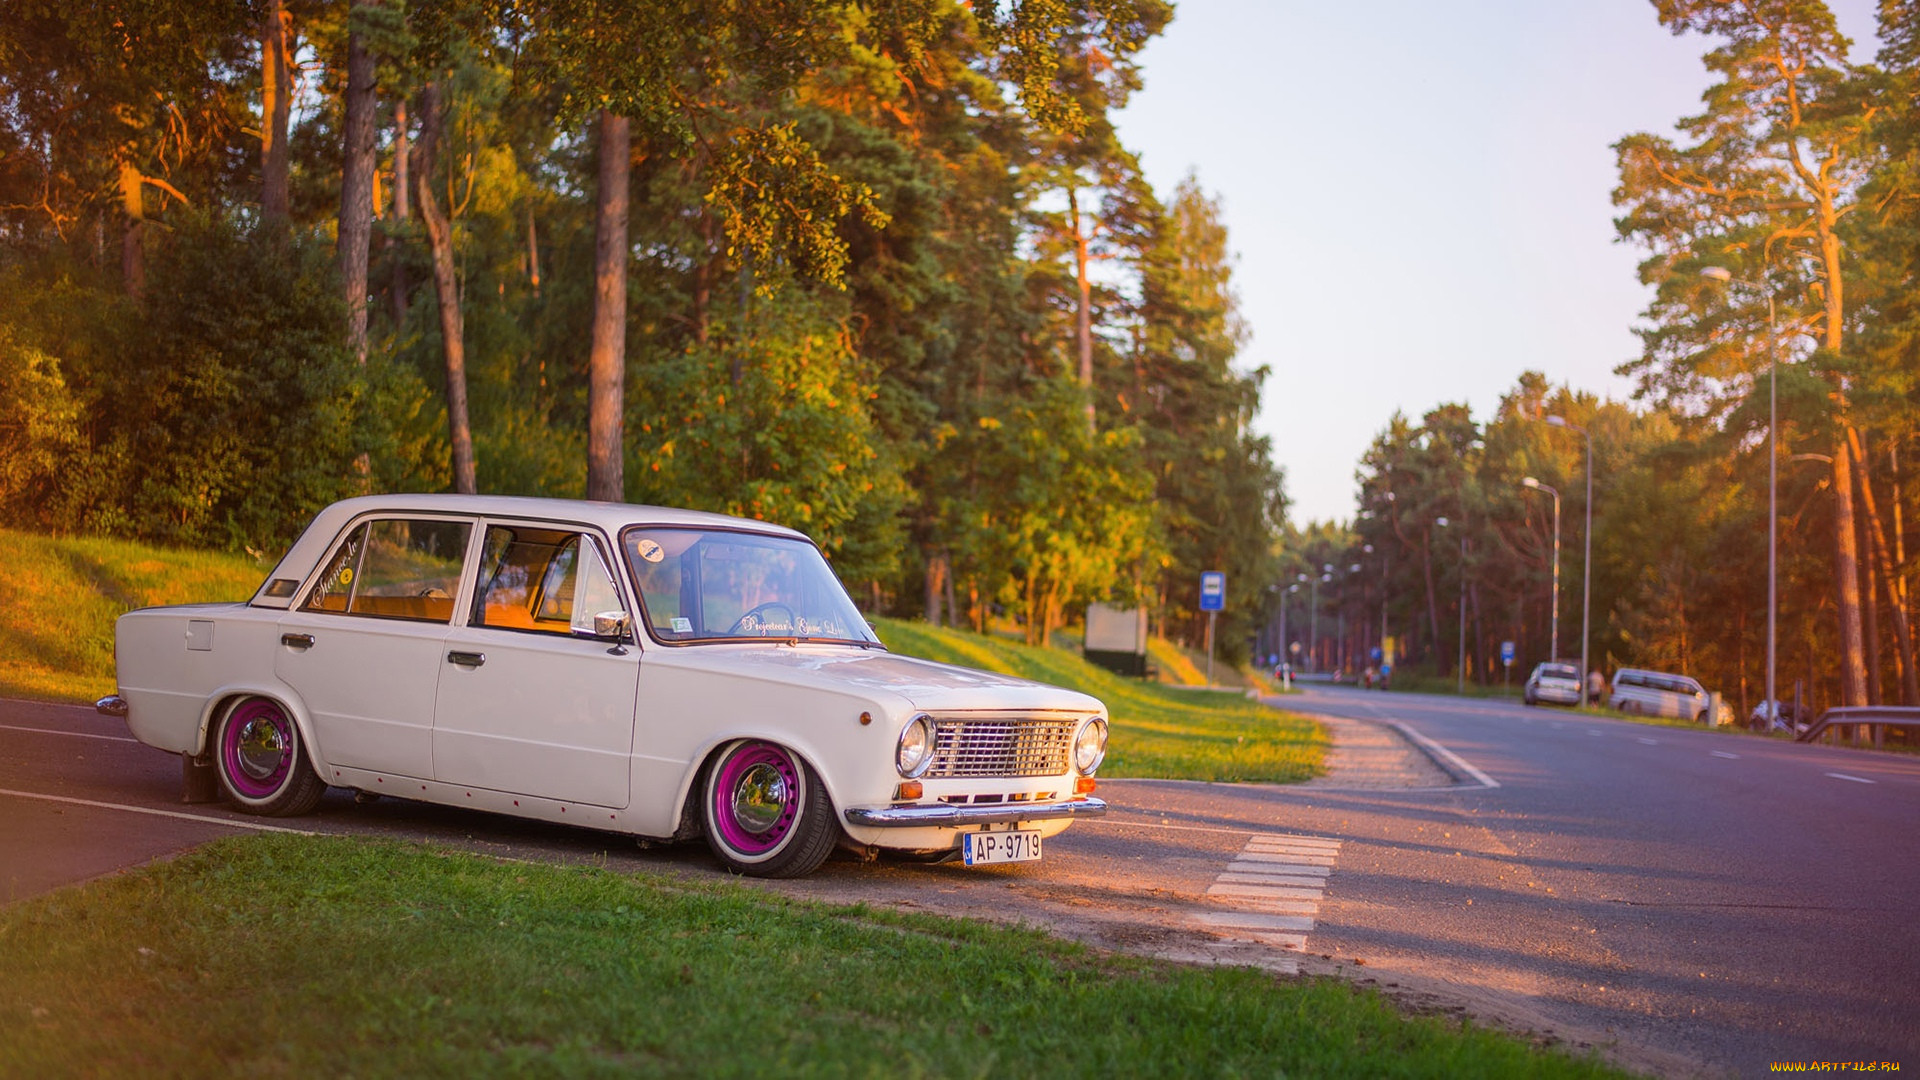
(1685, 901)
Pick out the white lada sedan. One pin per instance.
(663, 673)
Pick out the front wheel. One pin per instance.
(261, 764)
(766, 813)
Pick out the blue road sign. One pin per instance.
(1506, 652)
(1213, 591)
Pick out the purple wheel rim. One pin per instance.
(257, 748)
(755, 798)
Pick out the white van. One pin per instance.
(1656, 693)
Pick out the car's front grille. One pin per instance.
(1001, 747)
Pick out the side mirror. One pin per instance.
(613, 625)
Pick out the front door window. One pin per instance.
(546, 581)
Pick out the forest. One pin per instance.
(1781, 238)
(882, 271)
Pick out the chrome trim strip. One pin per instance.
(910, 817)
(111, 705)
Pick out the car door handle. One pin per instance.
(297, 641)
(467, 659)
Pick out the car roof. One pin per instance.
(1657, 674)
(314, 544)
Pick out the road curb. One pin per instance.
(1458, 772)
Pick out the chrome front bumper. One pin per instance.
(943, 816)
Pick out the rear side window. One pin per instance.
(548, 581)
(394, 568)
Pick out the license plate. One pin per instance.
(999, 847)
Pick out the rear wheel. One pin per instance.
(1631, 708)
(261, 763)
(765, 812)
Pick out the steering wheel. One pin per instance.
(754, 616)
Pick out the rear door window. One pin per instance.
(394, 568)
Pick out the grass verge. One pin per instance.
(1158, 731)
(60, 595)
(286, 955)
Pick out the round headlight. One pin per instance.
(1090, 746)
(915, 752)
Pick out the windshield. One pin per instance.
(701, 585)
(1558, 671)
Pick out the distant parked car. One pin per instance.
(662, 673)
(1778, 716)
(1552, 681)
(1657, 693)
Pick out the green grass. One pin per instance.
(307, 956)
(1158, 731)
(59, 597)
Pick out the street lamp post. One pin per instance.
(1325, 575)
(1313, 620)
(1722, 274)
(1286, 657)
(1346, 641)
(1460, 668)
(1586, 561)
(1553, 619)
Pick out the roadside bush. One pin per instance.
(220, 409)
(37, 435)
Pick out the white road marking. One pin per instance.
(1265, 892)
(1241, 920)
(75, 734)
(156, 813)
(1270, 893)
(1271, 879)
(1596, 734)
(1855, 779)
(1286, 857)
(1455, 759)
(1246, 864)
(1291, 849)
(1293, 863)
(1650, 742)
(1724, 754)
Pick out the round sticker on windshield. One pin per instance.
(346, 575)
(650, 551)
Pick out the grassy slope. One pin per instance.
(59, 597)
(1158, 731)
(295, 956)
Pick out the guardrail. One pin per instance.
(1877, 717)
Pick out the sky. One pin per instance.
(1419, 195)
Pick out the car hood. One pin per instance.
(923, 684)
